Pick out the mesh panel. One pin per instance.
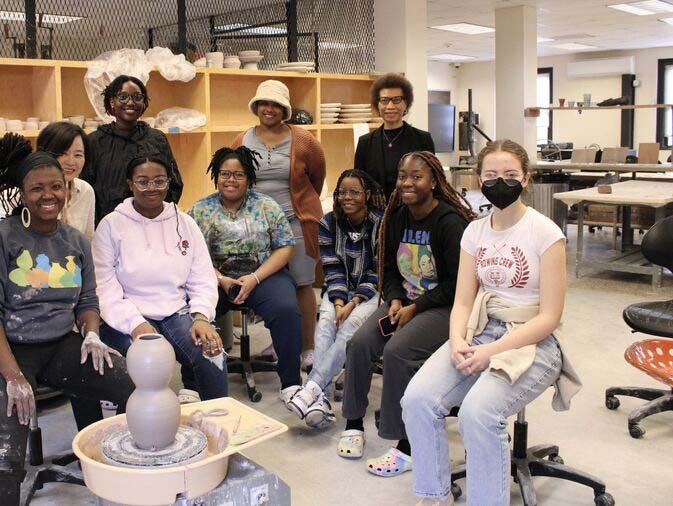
(337, 35)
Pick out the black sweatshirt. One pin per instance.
(111, 150)
(440, 231)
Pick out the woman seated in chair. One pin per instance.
(250, 243)
(154, 275)
(418, 265)
(47, 285)
(348, 238)
(502, 352)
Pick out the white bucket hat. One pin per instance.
(272, 91)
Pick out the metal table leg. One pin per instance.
(627, 231)
(580, 237)
(657, 271)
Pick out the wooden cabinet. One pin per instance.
(52, 90)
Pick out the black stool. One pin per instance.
(540, 460)
(245, 365)
(653, 318)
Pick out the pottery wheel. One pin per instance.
(119, 449)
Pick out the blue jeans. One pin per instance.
(210, 381)
(330, 341)
(275, 300)
(486, 401)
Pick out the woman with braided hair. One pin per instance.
(417, 265)
(348, 242)
(250, 243)
(47, 284)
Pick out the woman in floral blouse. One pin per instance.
(250, 243)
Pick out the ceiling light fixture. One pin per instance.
(541, 40)
(668, 21)
(572, 46)
(644, 7)
(244, 29)
(465, 28)
(49, 19)
(631, 9)
(450, 57)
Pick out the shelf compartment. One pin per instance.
(28, 91)
(164, 94)
(339, 153)
(191, 153)
(74, 99)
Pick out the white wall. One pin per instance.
(602, 127)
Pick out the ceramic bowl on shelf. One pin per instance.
(297, 64)
(231, 62)
(247, 53)
(251, 59)
(330, 104)
(356, 106)
(14, 125)
(328, 121)
(3, 125)
(201, 62)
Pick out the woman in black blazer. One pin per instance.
(379, 152)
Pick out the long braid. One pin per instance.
(376, 200)
(13, 149)
(443, 191)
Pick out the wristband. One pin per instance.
(255, 275)
(200, 319)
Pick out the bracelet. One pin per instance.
(258, 281)
(200, 319)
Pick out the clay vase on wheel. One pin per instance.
(153, 409)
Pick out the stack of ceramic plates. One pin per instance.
(329, 112)
(250, 59)
(355, 113)
(215, 59)
(297, 66)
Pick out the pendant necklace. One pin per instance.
(390, 142)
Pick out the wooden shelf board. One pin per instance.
(595, 107)
(344, 126)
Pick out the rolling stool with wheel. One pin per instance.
(540, 460)
(245, 365)
(653, 318)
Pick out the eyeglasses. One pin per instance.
(158, 183)
(238, 176)
(509, 181)
(387, 100)
(350, 193)
(124, 97)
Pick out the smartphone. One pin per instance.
(233, 291)
(386, 327)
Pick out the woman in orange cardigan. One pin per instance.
(292, 171)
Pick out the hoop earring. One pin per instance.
(25, 217)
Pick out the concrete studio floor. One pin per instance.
(592, 438)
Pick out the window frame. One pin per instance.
(661, 123)
(550, 71)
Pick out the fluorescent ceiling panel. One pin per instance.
(465, 28)
(668, 21)
(260, 30)
(450, 57)
(644, 7)
(49, 19)
(541, 40)
(571, 46)
(630, 9)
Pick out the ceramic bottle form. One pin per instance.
(153, 409)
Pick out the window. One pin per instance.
(665, 96)
(545, 97)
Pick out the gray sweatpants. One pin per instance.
(403, 354)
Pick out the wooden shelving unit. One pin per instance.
(52, 90)
(534, 112)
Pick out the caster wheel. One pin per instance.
(255, 395)
(338, 395)
(555, 457)
(611, 402)
(604, 500)
(636, 431)
(456, 491)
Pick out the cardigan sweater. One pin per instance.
(307, 175)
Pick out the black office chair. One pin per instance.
(53, 472)
(653, 318)
(539, 460)
(245, 365)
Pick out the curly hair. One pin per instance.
(243, 154)
(376, 199)
(392, 80)
(116, 86)
(443, 191)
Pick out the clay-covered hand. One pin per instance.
(99, 351)
(20, 394)
(205, 335)
(248, 284)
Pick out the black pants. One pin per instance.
(56, 364)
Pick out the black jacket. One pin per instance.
(447, 227)
(369, 153)
(110, 152)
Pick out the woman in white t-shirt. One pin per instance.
(502, 352)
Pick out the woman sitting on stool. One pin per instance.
(154, 275)
(250, 243)
(502, 351)
(418, 265)
(47, 284)
(347, 238)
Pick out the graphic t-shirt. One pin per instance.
(508, 261)
(415, 260)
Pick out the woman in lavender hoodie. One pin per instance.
(154, 274)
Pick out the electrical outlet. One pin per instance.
(259, 496)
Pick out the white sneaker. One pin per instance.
(307, 360)
(301, 401)
(286, 395)
(429, 501)
(320, 414)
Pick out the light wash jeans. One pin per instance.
(330, 341)
(486, 401)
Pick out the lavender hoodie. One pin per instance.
(141, 271)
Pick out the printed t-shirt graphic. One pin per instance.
(416, 262)
(45, 273)
(504, 267)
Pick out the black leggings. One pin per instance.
(56, 364)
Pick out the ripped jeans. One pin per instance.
(330, 341)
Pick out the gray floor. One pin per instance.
(637, 472)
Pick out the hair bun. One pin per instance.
(14, 148)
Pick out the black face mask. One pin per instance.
(501, 192)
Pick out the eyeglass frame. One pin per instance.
(228, 174)
(137, 97)
(350, 192)
(386, 100)
(151, 183)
